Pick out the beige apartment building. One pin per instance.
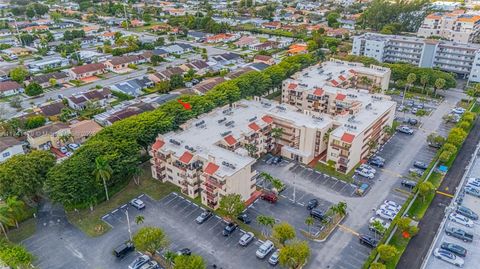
(456, 26)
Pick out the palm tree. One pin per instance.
(16, 208)
(103, 171)
(170, 256)
(139, 219)
(5, 219)
(326, 136)
(424, 80)
(64, 138)
(339, 209)
(309, 221)
(277, 184)
(136, 172)
(266, 178)
(276, 134)
(265, 221)
(439, 84)
(366, 81)
(411, 78)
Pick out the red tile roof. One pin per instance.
(267, 119)
(230, 140)
(211, 168)
(254, 126)
(342, 78)
(88, 68)
(292, 86)
(186, 157)
(334, 82)
(346, 137)
(352, 71)
(318, 92)
(340, 97)
(158, 144)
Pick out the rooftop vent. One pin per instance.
(222, 120)
(175, 142)
(281, 108)
(227, 111)
(252, 119)
(226, 133)
(200, 123)
(230, 123)
(190, 148)
(317, 118)
(229, 165)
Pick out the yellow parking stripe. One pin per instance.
(345, 228)
(391, 172)
(445, 194)
(404, 192)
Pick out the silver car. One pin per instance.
(264, 249)
(273, 260)
(246, 239)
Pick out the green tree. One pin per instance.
(18, 74)
(332, 19)
(367, 82)
(103, 172)
(340, 208)
(265, 222)
(283, 232)
(294, 255)
(176, 81)
(53, 82)
(139, 219)
(189, 262)
(56, 16)
(377, 265)
(150, 239)
(424, 79)
(16, 208)
(445, 156)
(33, 89)
(35, 122)
(439, 84)
(156, 60)
(425, 188)
(387, 252)
(6, 219)
(15, 256)
(231, 205)
(378, 226)
(456, 136)
(309, 221)
(405, 225)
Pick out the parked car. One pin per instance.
(246, 239)
(277, 160)
(371, 227)
(390, 208)
(392, 203)
(420, 165)
(264, 249)
(405, 130)
(204, 216)
(273, 260)
(367, 241)
(416, 171)
(448, 256)
(123, 249)
(138, 262)
(420, 106)
(137, 203)
(454, 248)
(184, 251)
(365, 173)
(459, 110)
(362, 189)
(414, 110)
(63, 150)
(410, 103)
(473, 184)
(229, 228)
(368, 168)
(412, 121)
(73, 146)
(460, 219)
(467, 212)
(409, 183)
(312, 204)
(150, 265)
(459, 234)
(269, 197)
(317, 214)
(376, 161)
(244, 218)
(389, 215)
(472, 191)
(270, 160)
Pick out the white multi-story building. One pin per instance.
(459, 58)
(456, 26)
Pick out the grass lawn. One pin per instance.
(24, 231)
(90, 221)
(401, 244)
(275, 96)
(329, 171)
(476, 108)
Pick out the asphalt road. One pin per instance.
(420, 244)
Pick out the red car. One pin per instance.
(270, 197)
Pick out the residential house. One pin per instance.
(52, 109)
(82, 130)
(137, 23)
(258, 66)
(197, 36)
(267, 45)
(175, 11)
(99, 98)
(238, 72)
(9, 88)
(198, 66)
(227, 58)
(9, 147)
(47, 136)
(264, 59)
(246, 41)
(48, 63)
(122, 111)
(87, 70)
(206, 85)
(15, 52)
(222, 38)
(297, 49)
(44, 80)
(133, 87)
(119, 64)
(166, 74)
(272, 25)
(35, 28)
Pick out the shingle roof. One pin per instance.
(125, 59)
(47, 129)
(9, 85)
(46, 78)
(52, 109)
(88, 68)
(7, 142)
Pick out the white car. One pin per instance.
(448, 256)
(365, 173)
(459, 110)
(273, 260)
(473, 179)
(264, 249)
(73, 146)
(246, 239)
(389, 215)
(392, 203)
(137, 203)
(460, 219)
(368, 168)
(64, 150)
(390, 208)
(383, 222)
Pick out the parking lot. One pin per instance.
(473, 249)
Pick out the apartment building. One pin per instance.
(456, 26)
(459, 58)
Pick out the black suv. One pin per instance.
(367, 241)
(456, 249)
(312, 204)
(376, 161)
(467, 212)
(244, 218)
(420, 165)
(122, 250)
(317, 214)
(409, 183)
(229, 229)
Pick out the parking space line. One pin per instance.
(345, 228)
(171, 200)
(114, 211)
(445, 194)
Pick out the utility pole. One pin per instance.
(128, 223)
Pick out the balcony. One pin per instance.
(213, 183)
(340, 146)
(211, 198)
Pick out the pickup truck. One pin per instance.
(459, 233)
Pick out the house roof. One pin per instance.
(158, 144)
(8, 142)
(88, 68)
(346, 137)
(186, 157)
(211, 168)
(230, 140)
(264, 58)
(254, 126)
(340, 97)
(125, 59)
(47, 129)
(318, 92)
(46, 78)
(84, 128)
(9, 85)
(259, 66)
(267, 119)
(52, 109)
